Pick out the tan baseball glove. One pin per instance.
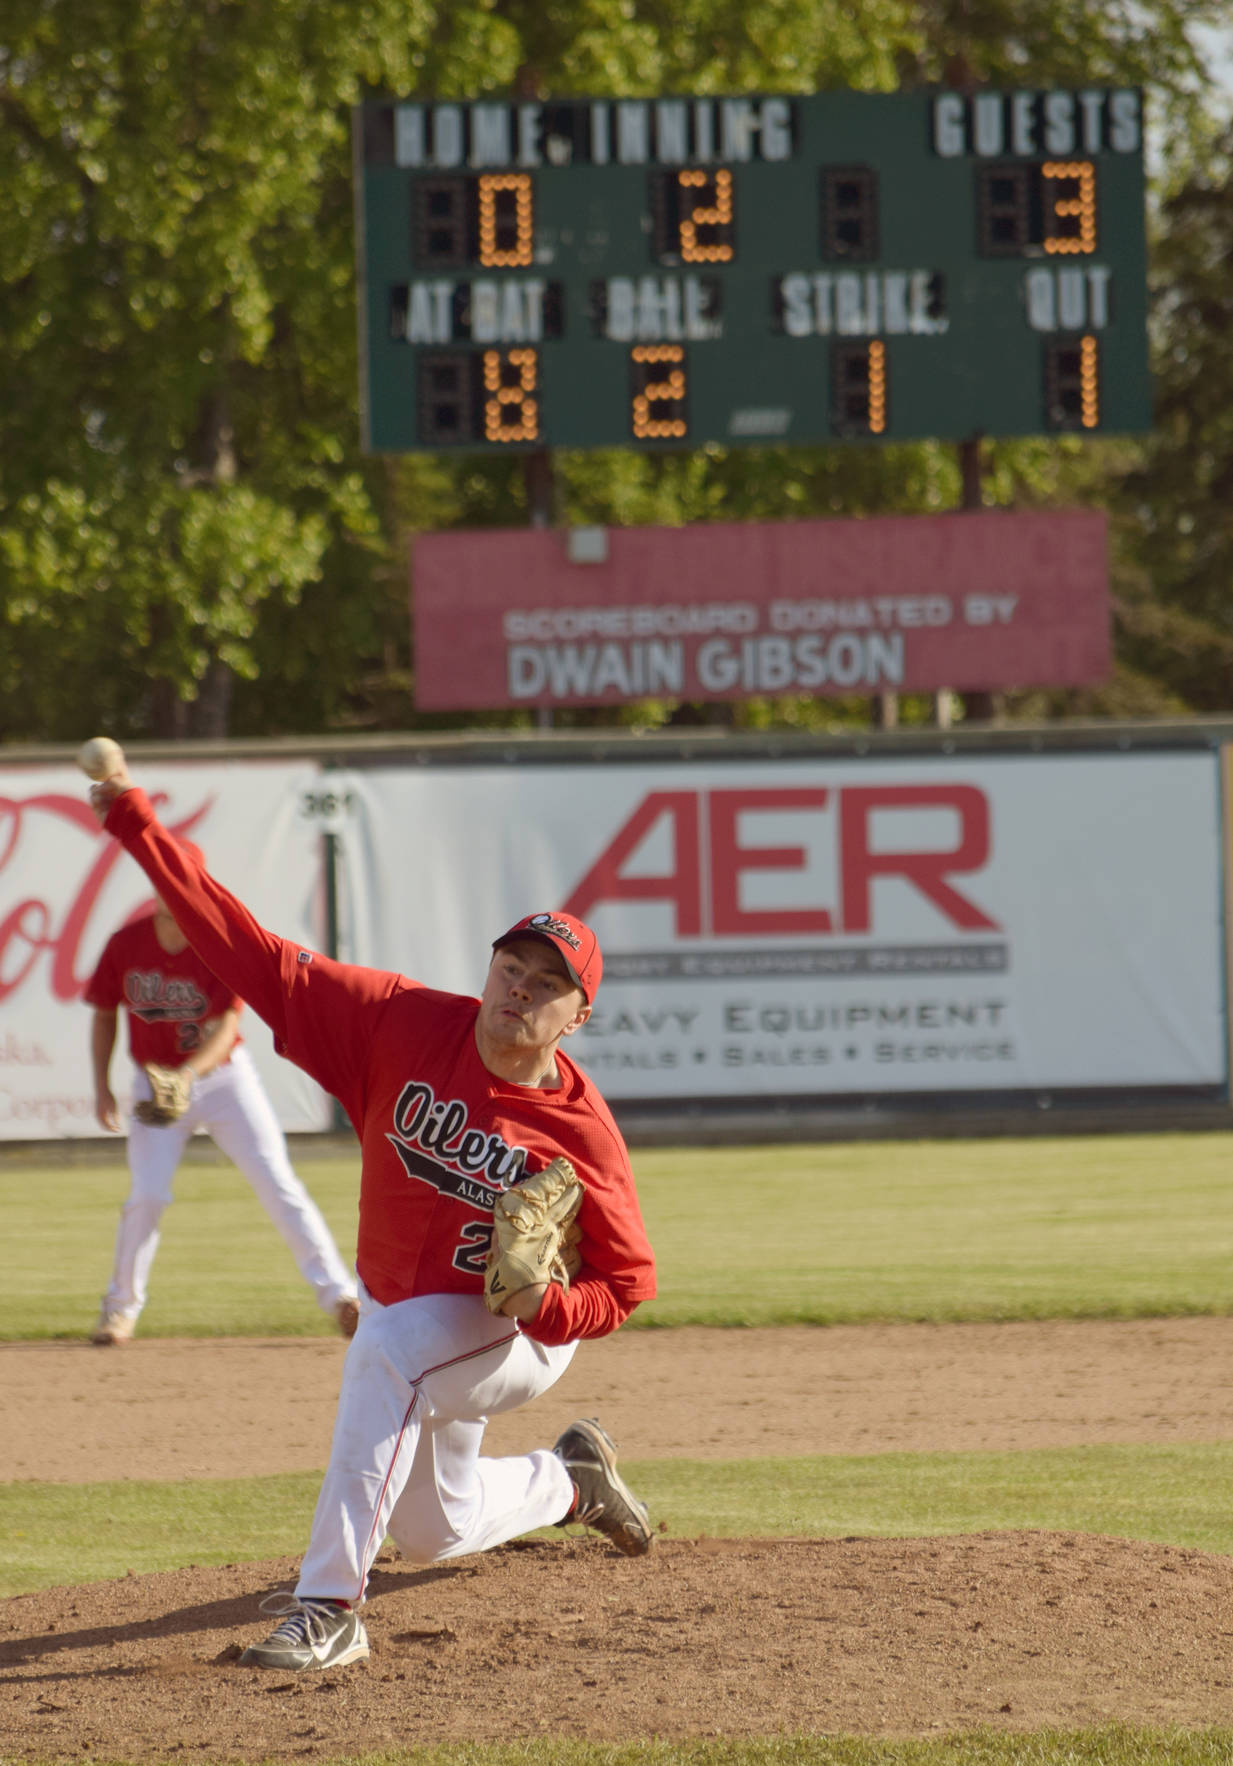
(171, 1088)
(534, 1233)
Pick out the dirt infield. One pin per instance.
(704, 1637)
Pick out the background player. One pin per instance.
(453, 1099)
(181, 1016)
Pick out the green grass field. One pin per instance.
(1110, 1227)
(1101, 1227)
(59, 1534)
(1104, 1747)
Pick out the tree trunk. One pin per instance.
(209, 715)
(168, 712)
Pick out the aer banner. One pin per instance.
(796, 928)
(813, 927)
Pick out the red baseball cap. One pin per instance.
(575, 942)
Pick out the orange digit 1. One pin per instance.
(1072, 382)
(877, 386)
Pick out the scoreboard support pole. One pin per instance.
(539, 477)
(978, 704)
(885, 709)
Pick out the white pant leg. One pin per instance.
(454, 1502)
(419, 1383)
(231, 1105)
(154, 1152)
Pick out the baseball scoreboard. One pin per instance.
(670, 272)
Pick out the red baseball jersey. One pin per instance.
(170, 996)
(440, 1134)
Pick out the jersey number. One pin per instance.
(472, 1251)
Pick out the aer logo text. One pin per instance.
(872, 834)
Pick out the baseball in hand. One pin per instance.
(100, 757)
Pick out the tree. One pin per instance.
(178, 395)
(1177, 616)
(190, 540)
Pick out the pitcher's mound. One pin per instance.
(704, 1637)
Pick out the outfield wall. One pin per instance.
(807, 935)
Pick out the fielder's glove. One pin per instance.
(171, 1088)
(534, 1233)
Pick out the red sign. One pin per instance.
(973, 600)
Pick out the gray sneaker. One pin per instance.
(314, 1634)
(112, 1329)
(604, 1500)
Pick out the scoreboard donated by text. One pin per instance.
(671, 272)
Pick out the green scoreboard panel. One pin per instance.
(669, 272)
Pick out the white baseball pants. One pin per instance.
(420, 1381)
(231, 1105)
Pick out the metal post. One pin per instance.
(977, 705)
(971, 470)
(330, 854)
(886, 711)
(331, 894)
(540, 481)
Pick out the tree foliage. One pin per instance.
(1178, 613)
(190, 539)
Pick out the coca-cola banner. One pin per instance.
(804, 928)
(65, 887)
(915, 603)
